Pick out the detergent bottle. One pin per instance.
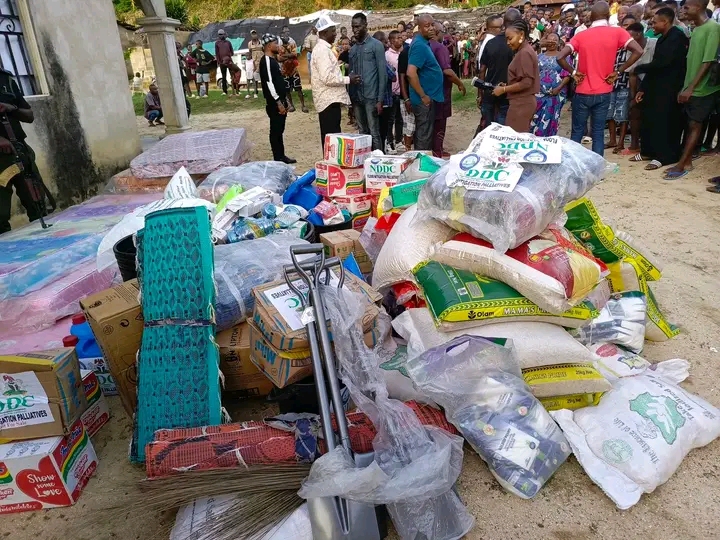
(89, 353)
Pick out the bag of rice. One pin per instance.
(553, 269)
(637, 436)
(627, 275)
(459, 299)
(621, 321)
(535, 343)
(565, 380)
(472, 201)
(605, 243)
(405, 247)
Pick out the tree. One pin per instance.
(177, 9)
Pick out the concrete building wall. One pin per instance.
(84, 129)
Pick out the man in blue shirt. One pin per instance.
(367, 59)
(426, 83)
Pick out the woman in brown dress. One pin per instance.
(523, 78)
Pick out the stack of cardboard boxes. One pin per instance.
(46, 458)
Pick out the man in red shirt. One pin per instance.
(596, 48)
(223, 54)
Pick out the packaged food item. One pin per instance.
(459, 299)
(628, 275)
(606, 243)
(347, 149)
(565, 380)
(637, 436)
(332, 180)
(621, 321)
(508, 218)
(358, 206)
(327, 213)
(405, 247)
(384, 171)
(478, 383)
(552, 269)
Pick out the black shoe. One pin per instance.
(289, 160)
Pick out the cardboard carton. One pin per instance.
(100, 367)
(384, 171)
(276, 312)
(333, 180)
(98, 412)
(115, 316)
(281, 367)
(45, 473)
(242, 377)
(41, 394)
(358, 206)
(347, 149)
(343, 243)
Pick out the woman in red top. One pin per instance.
(523, 78)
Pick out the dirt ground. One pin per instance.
(680, 223)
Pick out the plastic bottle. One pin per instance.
(250, 229)
(89, 353)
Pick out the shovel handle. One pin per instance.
(306, 249)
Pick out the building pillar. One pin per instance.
(161, 37)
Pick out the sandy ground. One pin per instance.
(680, 223)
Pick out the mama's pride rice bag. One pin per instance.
(566, 386)
(460, 299)
(551, 269)
(604, 242)
(627, 275)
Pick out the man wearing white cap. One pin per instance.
(223, 51)
(328, 82)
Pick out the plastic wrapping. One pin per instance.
(200, 152)
(621, 321)
(200, 519)
(415, 467)
(274, 176)
(552, 269)
(45, 272)
(507, 219)
(478, 383)
(240, 267)
(638, 435)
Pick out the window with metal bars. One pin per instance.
(14, 55)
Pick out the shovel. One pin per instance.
(332, 518)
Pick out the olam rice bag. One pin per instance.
(552, 269)
(628, 275)
(605, 243)
(508, 218)
(460, 299)
(566, 386)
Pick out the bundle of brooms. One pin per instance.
(263, 495)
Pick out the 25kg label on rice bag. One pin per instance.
(457, 296)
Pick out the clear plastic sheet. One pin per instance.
(621, 321)
(507, 219)
(45, 272)
(240, 267)
(479, 384)
(415, 467)
(200, 152)
(274, 176)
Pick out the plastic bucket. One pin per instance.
(125, 253)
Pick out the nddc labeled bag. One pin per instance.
(478, 383)
(507, 219)
(621, 321)
(637, 436)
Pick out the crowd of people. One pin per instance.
(647, 72)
